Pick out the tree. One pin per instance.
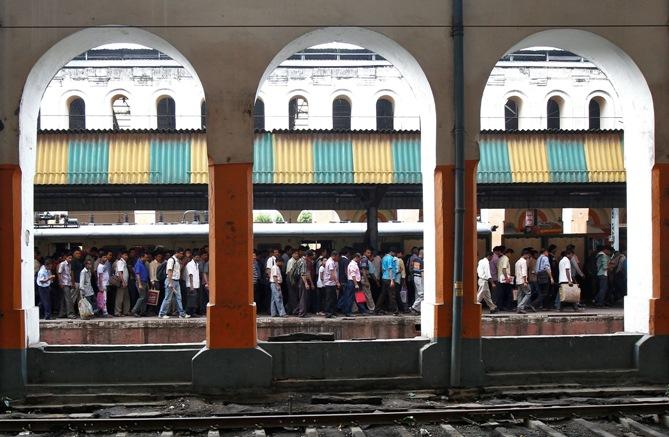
(305, 217)
(279, 219)
(262, 218)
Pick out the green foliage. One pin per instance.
(305, 217)
(262, 218)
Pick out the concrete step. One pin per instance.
(607, 376)
(122, 390)
(348, 384)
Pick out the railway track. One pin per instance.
(605, 420)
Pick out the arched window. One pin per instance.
(553, 114)
(511, 115)
(298, 113)
(341, 114)
(594, 114)
(385, 114)
(166, 113)
(77, 113)
(203, 115)
(259, 115)
(120, 112)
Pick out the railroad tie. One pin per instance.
(639, 428)
(593, 428)
(356, 431)
(501, 432)
(311, 432)
(167, 434)
(549, 431)
(213, 433)
(259, 433)
(450, 431)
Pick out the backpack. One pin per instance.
(161, 272)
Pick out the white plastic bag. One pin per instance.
(85, 308)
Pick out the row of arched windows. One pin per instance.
(165, 113)
(554, 107)
(298, 114)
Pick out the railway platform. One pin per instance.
(152, 330)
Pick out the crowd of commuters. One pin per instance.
(534, 281)
(132, 282)
(293, 282)
(302, 282)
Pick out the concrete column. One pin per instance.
(13, 339)
(659, 302)
(471, 310)
(231, 313)
(231, 358)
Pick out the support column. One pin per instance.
(231, 358)
(659, 303)
(471, 310)
(373, 226)
(13, 340)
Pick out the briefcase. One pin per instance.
(570, 294)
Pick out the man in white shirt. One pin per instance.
(66, 283)
(103, 271)
(44, 278)
(271, 261)
(172, 286)
(331, 283)
(122, 300)
(522, 282)
(192, 284)
(483, 272)
(275, 279)
(504, 293)
(565, 278)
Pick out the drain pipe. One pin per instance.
(458, 243)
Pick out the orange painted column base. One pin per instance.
(659, 303)
(231, 313)
(12, 317)
(444, 199)
(471, 310)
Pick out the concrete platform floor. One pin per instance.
(152, 330)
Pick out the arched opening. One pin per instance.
(203, 115)
(76, 113)
(511, 111)
(552, 162)
(341, 113)
(298, 113)
(420, 94)
(259, 115)
(121, 113)
(553, 110)
(385, 114)
(166, 113)
(86, 154)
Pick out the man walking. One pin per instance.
(172, 287)
(44, 279)
(504, 294)
(565, 278)
(522, 283)
(603, 259)
(331, 283)
(67, 286)
(103, 274)
(388, 274)
(353, 285)
(417, 276)
(275, 280)
(142, 282)
(192, 284)
(305, 269)
(122, 301)
(544, 279)
(367, 278)
(485, 282)
(86, 285)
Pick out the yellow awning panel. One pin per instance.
(129, 159)
(604, 155)
(527, 156)
(52, 157)
(294, 159)
(372, 159)
(199, 161)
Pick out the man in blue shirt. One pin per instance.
(388, 284)
(544, 279)
(142, 280)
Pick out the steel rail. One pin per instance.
(302, 420)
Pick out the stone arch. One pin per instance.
(412, 71)
(639, 121)
(37, 81)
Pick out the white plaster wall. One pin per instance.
(533, 83)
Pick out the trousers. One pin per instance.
(45, 301)
(419, 292)
(483, 294)
(122, 302)
(387, 293)
(140, 305)
(169, 292)
(276, 305)
(330, 299)
(68, 301)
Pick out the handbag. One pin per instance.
(360, 297)
(152, 297)
(570, 294)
